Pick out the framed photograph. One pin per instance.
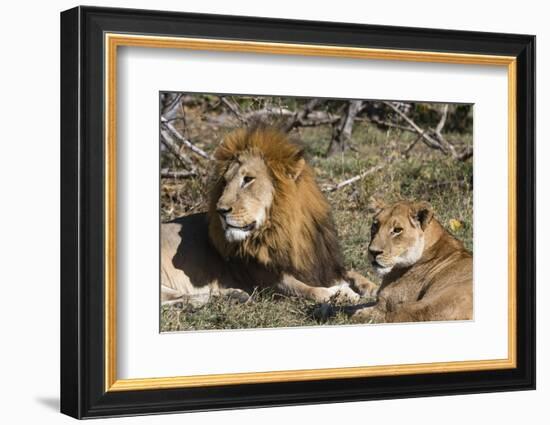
(261, 212)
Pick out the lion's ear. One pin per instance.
(298, 166)
(422, 212)
(375, 205)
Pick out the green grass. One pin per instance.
(423, 174)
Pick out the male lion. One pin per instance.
(427, 273)
(268, 225)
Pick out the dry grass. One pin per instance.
(265, 309)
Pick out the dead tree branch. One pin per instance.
(467, 154)
(427, 139)
(168, 126)
(355, 178)
(304, 118)
(172, 174)
(167, 140)
(342, 134)
(298, 118)
(441, 122)
(270, 110)
(169, 111)
(439, 128)
(411, 145)
(433, 138)
(234, 108)
(387, 124)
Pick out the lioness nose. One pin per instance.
(223, 211)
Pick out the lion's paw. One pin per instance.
(368, 315)
(237, 295)
(362, 284)
(343, 293)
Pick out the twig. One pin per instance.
(449, 183)
(171, 145)
(411, 145)
(428, 140)
(167, 125)
(355, 178)
(234, 108)
(387, 124)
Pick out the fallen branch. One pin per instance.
(439, 128)
(299, 118)
(387, 124)
(172, 174)
(426, 138)
(270, 110)
(167, 125)
(355, 178)
(305, 118)
(342, 134)
(441, 122)
(167, 140)
(170, 110)
(411, 145)
(234, 108)
(467, 154)
(435, 142)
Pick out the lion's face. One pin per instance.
(397, 235)
(246, 197)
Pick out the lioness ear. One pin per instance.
(299, 165)
(423, 213)
(375, 205)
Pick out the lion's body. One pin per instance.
(193, 270)
(268, 225)
(436, 286)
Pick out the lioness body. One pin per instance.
(427, 273)
(268, 225)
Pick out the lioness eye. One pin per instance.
(397, 230)
(247, 179)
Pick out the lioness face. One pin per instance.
(397, 235)
(245, 202)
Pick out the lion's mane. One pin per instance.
(299, 236)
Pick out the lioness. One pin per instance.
(427, 273)
(268, 225)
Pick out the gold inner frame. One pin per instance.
(113, 41)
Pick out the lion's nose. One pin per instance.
(374, 252)
(223, 211)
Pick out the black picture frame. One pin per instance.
(83, 392)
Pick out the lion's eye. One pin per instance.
(397, 230)
(247, 180)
